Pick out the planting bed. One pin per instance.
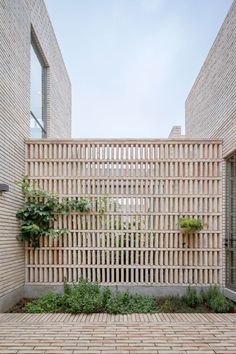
(86, 297)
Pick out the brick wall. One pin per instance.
(175, 132)
(59, 87)
(16, 18)
(211, 103)
(143, 186)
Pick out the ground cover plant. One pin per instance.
(85, 297)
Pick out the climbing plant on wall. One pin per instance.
(38, 213)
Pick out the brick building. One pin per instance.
(35, 101)
(211, 113)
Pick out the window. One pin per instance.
(37, 96)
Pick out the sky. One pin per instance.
(132, 63)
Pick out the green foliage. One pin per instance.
(124, 302)
(50, 302)
(37, 215)
(211, 293)
(167, 305)
(220, 304)
(85, 297)
(177, 304)
(102, 205)
(190, 225)
(216, 301)
(193, 298)
(107, 295)
(66, 206)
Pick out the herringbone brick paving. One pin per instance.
(102, 333)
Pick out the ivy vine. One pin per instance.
(38, 213)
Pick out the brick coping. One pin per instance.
(133, 318)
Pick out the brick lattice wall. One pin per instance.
(147, 185)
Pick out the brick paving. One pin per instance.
(102, 333)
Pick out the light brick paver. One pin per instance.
(146, 334)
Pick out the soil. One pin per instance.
(20, 307)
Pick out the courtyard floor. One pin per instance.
(102, 333)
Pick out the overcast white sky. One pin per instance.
(133, 62)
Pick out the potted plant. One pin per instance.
(190, 225)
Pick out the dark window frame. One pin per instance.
(45, 78)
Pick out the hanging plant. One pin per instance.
(37, 215)
(189, 225)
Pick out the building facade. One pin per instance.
(211, 113)
(35, 101)
(211, 103)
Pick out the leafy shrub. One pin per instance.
(178, 304)
(190, 224)
(107, 296)
(211, 293)
(50, 302)
(85, 297)
(192, 297)
(124, 302)
(220, 304)
(216, 301)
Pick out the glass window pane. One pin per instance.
(36, 86)
(36, 96)
(35, 129)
